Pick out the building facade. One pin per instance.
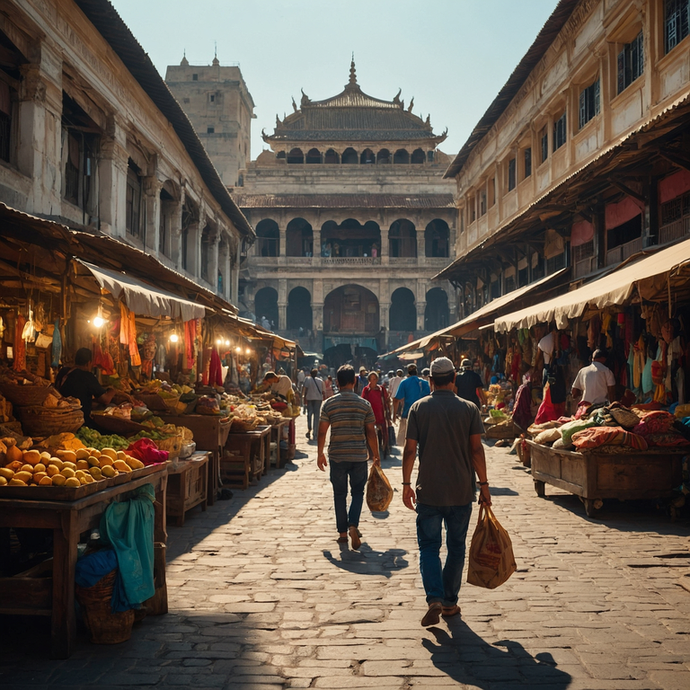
(583, 158)
(353, 219)
(90, 136)
(220, 107)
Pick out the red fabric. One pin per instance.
(377, 399)
(549, 411)
(215, 371)
(19, 344)
(674, 185)
(657, 422)
(581, 233)
(654, 405)
(622, 212)
(522, 413)
(607, 436)
(668, 440)
(147, 451)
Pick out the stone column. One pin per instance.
(385, 252)
(214, 261)
(420, 244)
(316, 245)
(282, 304)
(151, 186)
(175, 233)
(39, 150)
(112, 172)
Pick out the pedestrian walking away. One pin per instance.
(468, 384)
(447, 430)
(353, 438)
(377, 397)
(314, 395)
(409, 391)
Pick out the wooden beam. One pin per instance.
(627, 190)
(675, 159)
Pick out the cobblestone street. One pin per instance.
(261, 596)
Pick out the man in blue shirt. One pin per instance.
(409, 391)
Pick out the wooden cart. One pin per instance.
(596, 476)
(188, 486)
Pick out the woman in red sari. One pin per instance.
(380, 404)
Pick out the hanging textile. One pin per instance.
(128, 334)
(189, 338)
(57, 345)
(19, 344)
(215, 372)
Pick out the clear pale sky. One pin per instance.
(453, 56)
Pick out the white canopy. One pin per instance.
(651, 275)
(143, 299)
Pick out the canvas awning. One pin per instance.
(143, 299)
(654, 277)
(471, 322)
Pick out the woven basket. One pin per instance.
(47, 421)
(104, 626)
(25, 395)
(240, 425)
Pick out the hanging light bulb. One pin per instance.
(249, 351)
(227, 343)
(238, 349)
(98, 320)
(174, 338)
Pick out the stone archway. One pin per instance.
(402, 315)
(299, 312)
(351, 309)
(436, 312)
(266, 305)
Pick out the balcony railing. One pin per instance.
(674, 231)
(623, 251)
(351, 261)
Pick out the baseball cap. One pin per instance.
(465, 363)
(442, 365)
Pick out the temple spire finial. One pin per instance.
(353, 72)
(184, 62)
(216, 61)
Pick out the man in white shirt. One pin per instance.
(595, 383)
(394, 382)
(313, 394)
(279, 384)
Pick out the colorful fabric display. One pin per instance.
(657, 422)
(597, 436)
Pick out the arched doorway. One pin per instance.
(331, 157)
(402, 239)
(417, 157)
(295, 156)
(299, 314)
(298, 238)
(401, 156)
(268, 238)
(351, 309)
(436, 314)
(403, 315)
(349, 157)
(313, 156)
(367, 157)
(383, 156)
(436, 239)
(266, 306)
(350, 238)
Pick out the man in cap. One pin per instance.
(409, 391)
(394, 380)
(468, 384)
(447, 430)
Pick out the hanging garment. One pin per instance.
(189, 338)
(134, 356)
(215, 373)
(19, 344)
(57, 345)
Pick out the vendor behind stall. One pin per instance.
(279, 384)
(594, 383)
(79, 382)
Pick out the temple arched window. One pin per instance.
(383, 156)
(417, 157)
(402, 239)
(298, 238)
(267, 238)
(313, 156)
(331, 157)
(436, 239)
(350, 157)
(401, 157)
(295, 156)
(367, 157)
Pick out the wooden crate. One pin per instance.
(187, 486)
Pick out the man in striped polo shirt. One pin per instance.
(353, 437)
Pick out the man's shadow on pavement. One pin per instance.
(366, 561)
(480, 664)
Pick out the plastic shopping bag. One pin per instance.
(491, 560)
(379, 490)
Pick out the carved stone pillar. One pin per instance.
(213, 261)
(112, 172)
(152, 200)
(421, 308)
(282, 304)
(39, 150)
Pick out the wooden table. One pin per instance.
(68, 520)
(253, 449)
(593, 476)
(188, 486)
(276, 434)
(210, 433)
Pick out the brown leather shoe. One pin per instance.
(433, 614)
(449, 611)
(355, 537)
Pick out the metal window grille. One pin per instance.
(559, 132)
(528, 162)
(590, 102)
(630, 62)
(677, 22)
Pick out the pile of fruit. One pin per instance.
(66, 468)
(95, 439)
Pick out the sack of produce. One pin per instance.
(491, 560)
(547, 437)
(379, 490)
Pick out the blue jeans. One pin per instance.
(442, 584)
(357, 472)
(313, 414)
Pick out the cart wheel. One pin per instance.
(592, 506)
(540, 488)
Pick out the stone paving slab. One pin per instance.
(261, 597)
